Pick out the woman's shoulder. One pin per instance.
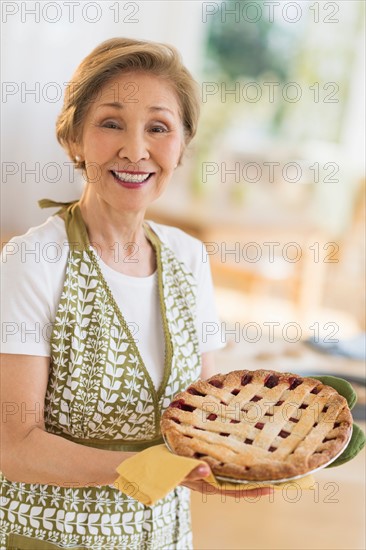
(185, 247)
(40, 244)
(52, 228)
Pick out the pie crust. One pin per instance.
(258, 425)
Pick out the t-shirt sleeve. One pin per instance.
(25, 309)
(208, 322)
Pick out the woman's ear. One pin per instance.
(76, 153)
(182, 151)
(76, 149)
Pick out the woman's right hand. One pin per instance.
(195, 480)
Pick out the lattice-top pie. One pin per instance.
(258, 425)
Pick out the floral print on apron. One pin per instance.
(100, 394)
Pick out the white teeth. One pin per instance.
(131, 178)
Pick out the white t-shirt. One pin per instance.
(33, 273)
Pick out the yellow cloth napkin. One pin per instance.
(151, 474)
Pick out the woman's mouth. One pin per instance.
(131, 179)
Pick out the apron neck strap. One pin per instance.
(48, 203)
(77, 234)
(75, 227)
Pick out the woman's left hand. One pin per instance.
(196, 481)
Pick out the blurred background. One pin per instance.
(273, 184)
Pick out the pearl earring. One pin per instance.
(77, 158)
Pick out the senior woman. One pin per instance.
(118, 313)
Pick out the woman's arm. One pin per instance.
(29, 453)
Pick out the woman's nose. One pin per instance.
(134, 146)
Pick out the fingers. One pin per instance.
(200, 472)
(195, 481)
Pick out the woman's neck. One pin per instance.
(118, 236)
(106, 225)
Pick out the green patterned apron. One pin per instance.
(100, 394)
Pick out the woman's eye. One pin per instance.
(158, 129)
(110, 124)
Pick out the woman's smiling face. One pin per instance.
(132, 140)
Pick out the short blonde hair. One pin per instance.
(108, 60)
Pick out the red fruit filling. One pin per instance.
(303, 406)
(216, 383)
(295, 420)
(177, 404)
(256, 398)
(181, 404)
(225, 434)
(271, 449)
(193, 391)
(271, 381)
(248, 441)
(188, 408)
(198, 455)
(278, 403)
(316, 390)
(234, 421)
(294, 382)
(212, 416)
(246, 379)
(259, 425)
(284, 434)
(235, 392)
